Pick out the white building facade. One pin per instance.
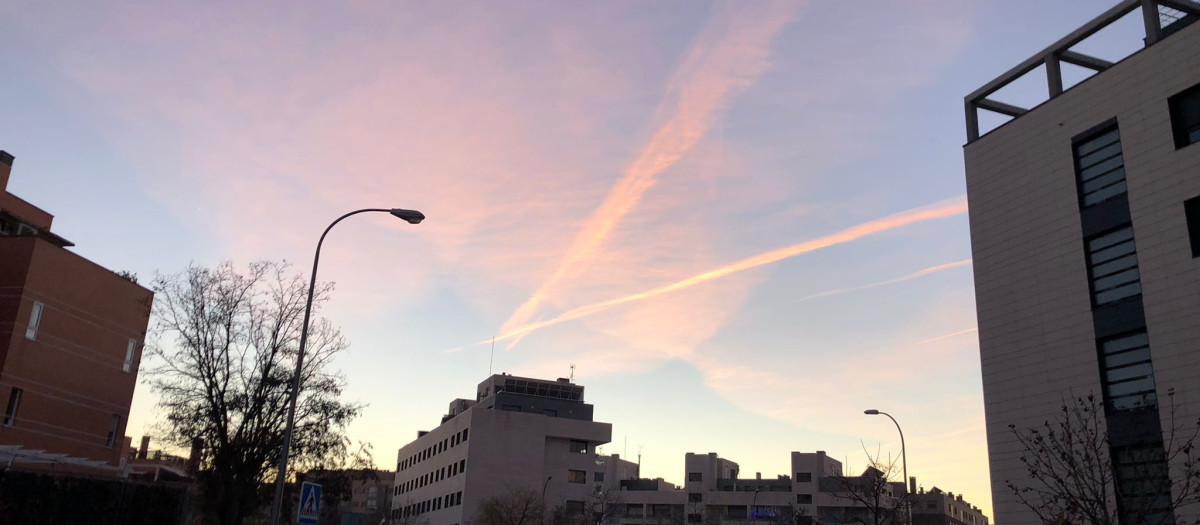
(517, 434)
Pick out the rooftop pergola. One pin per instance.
(1154, 12)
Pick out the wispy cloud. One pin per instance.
(729, 54)
(940, 210)
(908, 277)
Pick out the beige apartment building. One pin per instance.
(518, 434)
(1085, 229)
(536, 437)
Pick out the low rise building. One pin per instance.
(944, 508)
(532, 443)
(71, 336)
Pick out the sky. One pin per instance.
(738, 224)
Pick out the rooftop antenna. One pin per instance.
(640, 447)
(572, 378)
(492, 356)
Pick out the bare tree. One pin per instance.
(517, 507)
(869, 499)
(602, 507)
(1069, 461)
(223, 348)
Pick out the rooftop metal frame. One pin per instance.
(1052, 57)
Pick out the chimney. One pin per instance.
(912, 485)
(193, 463)
(145, 446)
(758, 476)
(6, 160)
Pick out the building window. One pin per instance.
(804, 499)
(804, 477)
(14, 402)
(598, 477)
(695, 518)
(112, 431)
(695, 476)
(578, 447)
(35, 320)
(1191, 211)
(129, 350)
(574, 507)
(736, 512)
(695, 497)
(633, 510)
(576, 476)
(1128, 374)
(1185, 116)
(1101, 167)
(1112, 263)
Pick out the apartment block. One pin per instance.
(71, 335)
(536, 437)
(518, 434)
(1085, 229)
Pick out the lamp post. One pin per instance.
(754, 507)
(543, 502)
(412, 217)
(903, 461)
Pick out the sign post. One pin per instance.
(310, 504)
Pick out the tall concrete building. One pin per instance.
(71, 336)
(518, 434)
(1085, 228)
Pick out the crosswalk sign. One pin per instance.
(310, 503)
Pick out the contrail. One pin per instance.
(939, 210)
(729, 54)
(944, 336)
(914, 275)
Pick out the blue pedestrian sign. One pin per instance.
(310, 503)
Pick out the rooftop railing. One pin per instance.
(1156, 15)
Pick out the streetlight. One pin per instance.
(544, 483)
(754, 506)
(412, 217)
(903, 460)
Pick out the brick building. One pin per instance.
(71, 335)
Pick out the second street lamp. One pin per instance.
(903, 461)
(410, 216)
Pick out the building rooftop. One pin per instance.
(1161, 18)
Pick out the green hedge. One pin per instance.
(28, 498)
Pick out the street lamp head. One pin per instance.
(412, 216)
(871, 412)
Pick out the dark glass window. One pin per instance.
(1191, 210)
(111, 439)
(578, 447)
(804, 477)
(804, 499)
(695, 497)
(14, 402)
(1128, 374)
(576, 476)
(1112, 261)
(1185, 116)
(597, 476)
(695, 476)
(1101, 167)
